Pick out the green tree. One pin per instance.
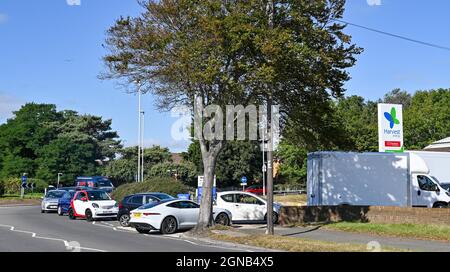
(360, 122)
(427, 119)
(293, 163)
(232, 52)
(124, 169)
(21, 138)
(42, 142)
(184, 172)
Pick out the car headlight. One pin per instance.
(95, 205)
(116, 205)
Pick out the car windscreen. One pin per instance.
(55, 194)
(104, 183)
(98, 195)
(153, 204)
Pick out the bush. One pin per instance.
(11, 186)
(163, 185)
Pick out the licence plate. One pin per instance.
(136, 215)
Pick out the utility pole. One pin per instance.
(139, 134)
(59, 179)
(142, 144)
(270, 228)
(264, 168)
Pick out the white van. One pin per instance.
(372, 179)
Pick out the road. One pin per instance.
(25, 229)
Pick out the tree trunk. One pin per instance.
(209, 156)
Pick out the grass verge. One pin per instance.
(292, 244)
(291, 200)
(415, 231)
(15, 199)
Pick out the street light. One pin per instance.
(59, 178)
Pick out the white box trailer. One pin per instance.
(372, 179)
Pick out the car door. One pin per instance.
(178, 210)
(228, 202)
(424, 191)
(78, 204)
(250, 207)
(192, 211)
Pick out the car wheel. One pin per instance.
(440, 206)
(274, 217)
(60, 212)
(71, 214)
(124, 220)
(143, 231)
(89, 216)
(222, 219)
(169, 225)
(42, 211)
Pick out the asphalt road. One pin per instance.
(25, 229)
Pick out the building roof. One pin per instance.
(441, 145)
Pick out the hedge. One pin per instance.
(163, 185)
(11, 186)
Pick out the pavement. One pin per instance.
(375, 242)
(25, 229)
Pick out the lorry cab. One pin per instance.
(95, 182)
(426, 190)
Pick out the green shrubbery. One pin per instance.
(163, 185)
(11, 186)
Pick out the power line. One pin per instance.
(395, 35)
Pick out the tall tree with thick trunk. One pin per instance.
(225, 52)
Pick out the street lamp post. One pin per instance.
(59, 179)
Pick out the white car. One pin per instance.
(246, 206)
(168, 216)
(92, 204)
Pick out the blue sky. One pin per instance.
(50, 52)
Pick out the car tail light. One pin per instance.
(149, 214)
(120, 205)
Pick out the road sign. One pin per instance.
(390, 128)
(24, 185)
(244, 179)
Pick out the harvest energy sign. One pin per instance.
(390, 128)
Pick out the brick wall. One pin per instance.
(327, 214)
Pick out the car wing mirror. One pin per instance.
(84, 199)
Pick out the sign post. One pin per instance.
(243, 182)
(24, 185)
(200, 180)
(390, 128)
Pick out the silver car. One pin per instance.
(50, 200)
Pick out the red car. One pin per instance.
(256, 189)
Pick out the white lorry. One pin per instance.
(438, 163)
(372, 179)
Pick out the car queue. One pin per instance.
(153, 211)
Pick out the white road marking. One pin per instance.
(34, 235)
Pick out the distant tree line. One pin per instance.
(42, 142)
(352, 125)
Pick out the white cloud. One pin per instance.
(8, 104)
(3, 18)
(374, 2)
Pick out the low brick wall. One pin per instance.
(328, 214)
